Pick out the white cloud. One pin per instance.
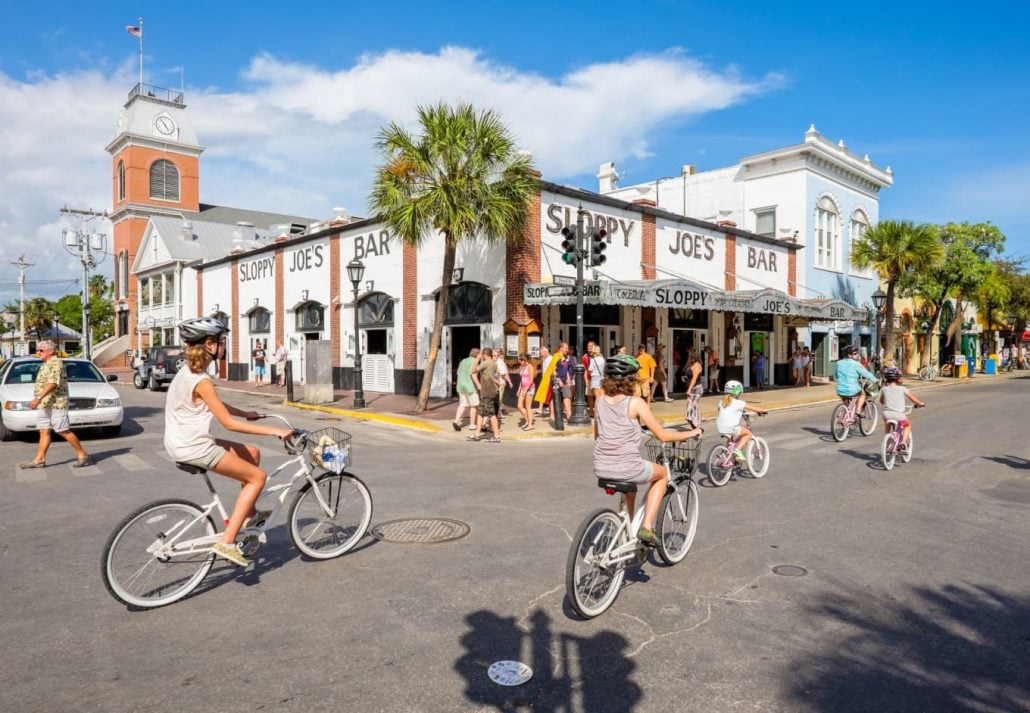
(298, 138)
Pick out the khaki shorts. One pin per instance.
(210, 460)
(469, 400)
(51, 418)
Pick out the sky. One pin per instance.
(287, 98)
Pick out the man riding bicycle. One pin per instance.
(847, 373)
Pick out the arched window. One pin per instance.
(827, 233)
(469, 303)
(376, 310)
(123, 274)
(859, 224)
(260, 320)
(121, 180)
(164, 181)
(310, 317)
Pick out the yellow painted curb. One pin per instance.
(369, 416)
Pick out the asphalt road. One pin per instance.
(915, 593)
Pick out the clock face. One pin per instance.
(164, 125)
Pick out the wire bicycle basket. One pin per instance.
(682, 455)
(329, 448)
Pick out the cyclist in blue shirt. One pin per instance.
(847, 373)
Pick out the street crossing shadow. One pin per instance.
(1010, 461)
(954, 648)
(570, 673)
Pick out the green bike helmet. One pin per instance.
(621, 366)
(734, 387)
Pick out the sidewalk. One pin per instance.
(399, 409)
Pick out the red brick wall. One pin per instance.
(280, 304)
(200, 292)
(127, 236)
(523, 266)
(731, 262)
(334, 296)
(138, 160)
(409, 338)
(234, 317)
(792, 273)
(648, 251)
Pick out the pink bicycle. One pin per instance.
(722, 464)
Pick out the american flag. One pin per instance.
(134, 31)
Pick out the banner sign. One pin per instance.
(689, 295)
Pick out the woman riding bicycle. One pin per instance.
(617, 415)
(847, 373)
(893, 398)
(192, 401)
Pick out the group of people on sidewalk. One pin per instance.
(259, 354)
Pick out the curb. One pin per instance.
(369, 416)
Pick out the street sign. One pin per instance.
(563, 280)
(561, 290)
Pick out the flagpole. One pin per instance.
(141, 55)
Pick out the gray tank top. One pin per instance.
(617, 448)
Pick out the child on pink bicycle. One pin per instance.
(731, 409)
(893, 398)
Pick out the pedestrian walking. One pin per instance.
(484, 373)
(50, 398)
(797, 367)
(596, 371)
(661, 378)
(645, 375)
(502, 372)
(713, 369)
(525, 394)
(806, 366)
(543, 392)
(258, 354)
(563, 372)
(758, 361)
(280, 362)
(468, 394)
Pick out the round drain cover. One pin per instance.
(789, 570)
(509, 673)
(420, 531)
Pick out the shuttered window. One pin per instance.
(164, 181)
(121, 180)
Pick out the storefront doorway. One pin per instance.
(758, 330)
(686, 343)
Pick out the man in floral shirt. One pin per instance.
(51, 398)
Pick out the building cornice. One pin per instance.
(818, 151)
(126, 139)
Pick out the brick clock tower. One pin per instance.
(155, 162)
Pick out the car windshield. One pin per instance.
(76, 371)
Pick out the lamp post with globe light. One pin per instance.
(355, 271)
(879, 302)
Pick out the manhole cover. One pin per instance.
(509, 673)
(789, 570)
(420, 531)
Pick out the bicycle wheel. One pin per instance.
(838, 427)
(718, 473)
(906, 453)
(758, 457)
(323, 535)
(677, 522)
(140, 572)
(868, 419)
(590, 585)
(887, 454)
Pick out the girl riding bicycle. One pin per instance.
(893, 398)
(617, 415)
(192, 401)
(731, 409)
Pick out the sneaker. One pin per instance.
(456, 426)
(231, 553)
(472, 438)
(739, 454)
(648, 537)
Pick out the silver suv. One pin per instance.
(159, 366)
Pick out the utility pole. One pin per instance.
(21, 265)
(82, 243)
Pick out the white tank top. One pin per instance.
(187, 424)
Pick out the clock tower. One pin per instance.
(155, 171)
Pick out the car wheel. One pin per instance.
(6, 434)
(137, 380)
(152, 383)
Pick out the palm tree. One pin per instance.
(893, 248)
(463, 179)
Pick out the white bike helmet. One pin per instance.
(195, 331)
(734, 387)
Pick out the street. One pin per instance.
(828, 585)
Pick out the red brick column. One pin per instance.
(792, 272)
(731, 262)
(522, 266)
(200, 292)
(334, 297)
(280, 304)
(409, 337)
(233, 311)
(648, 250)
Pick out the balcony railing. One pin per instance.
(171, 96)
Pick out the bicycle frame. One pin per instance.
(728, 459)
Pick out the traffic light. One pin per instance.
(597, 247)
(568, 245)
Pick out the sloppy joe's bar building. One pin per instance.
(668, 279)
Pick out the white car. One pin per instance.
(92, 401)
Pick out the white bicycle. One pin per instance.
(606, 542)
(162, 551)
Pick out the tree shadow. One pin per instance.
(958, 648)
(1010, 461)
(872, 460)
(588, 673)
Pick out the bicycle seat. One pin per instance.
(189, 468)
(616, 486)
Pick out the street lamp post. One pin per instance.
(85, 246)
(879, 302)
(57, 331)
(355, 271)
(580, 416)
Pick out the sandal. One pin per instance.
(82, 462)
(471, 438)
(31, 464)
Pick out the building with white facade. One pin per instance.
(816, 193)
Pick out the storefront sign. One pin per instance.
(306, 258)
(759, 259)
(699, 247)
(559, 216)
(681, 297)
(372, 245)
(257, 269)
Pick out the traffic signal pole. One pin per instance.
(580, 416)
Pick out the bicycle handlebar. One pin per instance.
(293, 443)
